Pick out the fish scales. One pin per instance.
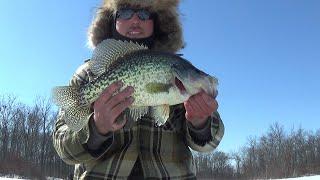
(159, 79)
(129, 69)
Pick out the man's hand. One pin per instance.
(110, 105)
(199, 107)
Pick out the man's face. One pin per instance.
(133, 26)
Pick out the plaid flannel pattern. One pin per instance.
(163, 151)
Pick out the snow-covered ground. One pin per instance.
(317, 177)
(19, 178)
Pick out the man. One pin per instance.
(112, 147)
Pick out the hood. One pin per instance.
(168, 31)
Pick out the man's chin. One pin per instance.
(135, 36)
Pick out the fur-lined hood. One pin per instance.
(169, 32)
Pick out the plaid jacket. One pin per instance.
(163, 151)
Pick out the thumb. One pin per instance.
(188, 116)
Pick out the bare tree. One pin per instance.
(26, 144)
(236, 156)
(45, 107)
(26, 148)
(7, 113)
(278, 155)
(213, 165)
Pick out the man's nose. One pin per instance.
(135, 19)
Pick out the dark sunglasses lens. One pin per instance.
(125, 14)
(144, 15)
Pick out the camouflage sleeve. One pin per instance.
(95, 138)
(201, 136)
(195, 138)
(72, 147)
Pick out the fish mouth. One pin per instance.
(180, 85)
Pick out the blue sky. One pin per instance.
(266, 55)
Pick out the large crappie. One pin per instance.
(160, 79)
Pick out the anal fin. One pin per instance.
(160, 114)
(135, 113)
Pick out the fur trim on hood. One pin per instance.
(168, 31)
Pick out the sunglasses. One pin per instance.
(126, 14)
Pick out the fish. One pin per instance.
(160, 80)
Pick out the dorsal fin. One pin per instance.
(110, 50)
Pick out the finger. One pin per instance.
(199, 105)
(189, 111)
(205, 102)
(108, 92)
(188, 108)
(119, 97)
(188, 116)
(119, 108)
(118, 125)
(202, 109)
(211, 102)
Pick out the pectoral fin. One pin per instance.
(157, 87)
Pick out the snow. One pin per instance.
(14, 177)
(19, 178)
(316, 177)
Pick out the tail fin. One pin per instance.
(68, 98)
(77, 117)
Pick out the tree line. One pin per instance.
(275, 154)
(26, 148)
